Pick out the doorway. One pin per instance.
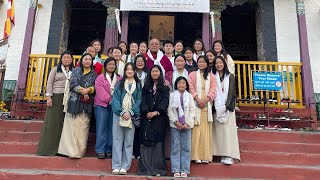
(187, 26)
(239, 31)
(88, 22)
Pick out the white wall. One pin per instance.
(287, 31)
(313, 27)
(42, 26)
(3, 13)
(16, 39)
(40, 36)
(288, 34)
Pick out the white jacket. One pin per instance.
(189, 112)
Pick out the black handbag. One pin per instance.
(136, 120)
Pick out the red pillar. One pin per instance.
(111, 34)
(26, 50)
(205, 30)
(124, 26)
(307, 87)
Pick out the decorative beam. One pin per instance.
(108, 3)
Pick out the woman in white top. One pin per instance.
(219, 50)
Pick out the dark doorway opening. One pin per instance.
(239, 31)
(187, 26)
(88, 22)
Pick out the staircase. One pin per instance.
(265, 155)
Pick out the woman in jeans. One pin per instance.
(104, 86)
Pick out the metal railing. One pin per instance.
(41, 65)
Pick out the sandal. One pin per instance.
(176, 175)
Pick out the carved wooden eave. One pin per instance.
(108, 3)
(220, 5)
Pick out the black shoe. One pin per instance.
(109, 155)
(101, 155)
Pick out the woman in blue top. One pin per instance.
(125, 104)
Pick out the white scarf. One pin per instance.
(195, 55)
(198, 90)
(66, 88)
(127, 103)
(129, 58)
(157, 61)
(142, 77)
(175, 75)
(112, 82)
(121, 68)
(221, 98)
(172, 61)
(177, 102)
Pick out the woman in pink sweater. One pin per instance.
(104, 86)
(203, 89)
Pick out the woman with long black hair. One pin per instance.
(154, 120)
(57, 93)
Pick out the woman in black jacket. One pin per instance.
(154, 120)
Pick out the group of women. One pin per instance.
(137, 108)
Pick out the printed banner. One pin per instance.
(199, 6)
(267, 81)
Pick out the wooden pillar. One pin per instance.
(26, 50)
(124, 26)
(111, 33)
(307, 87)
(205, 30)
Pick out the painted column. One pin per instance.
(124, 26)
(205, 30)
(26, 50)
(307, 87)
(111, 33)
(217, 25)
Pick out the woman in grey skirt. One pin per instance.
(57, 96)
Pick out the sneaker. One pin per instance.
(133, 157)
(184, 175)
(158, 175)
(228, 161)
(205, 162)
(123, 171)
(222, 160)
(176, 175)
(101, 155)
(198, 161)
(115, 171)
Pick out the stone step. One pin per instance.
(26, 174)
(244, 134)
(260, 146)
(255, 146)
(280, 158)
(12, 136)
(279, 136)
(20, 125)
(213, 170)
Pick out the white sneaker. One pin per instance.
(123, 172)
(205, 162)
(198, 161)
(184, 175)
(222, 160)
(228, 161)
(115, 171)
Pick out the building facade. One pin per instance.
(258, 30)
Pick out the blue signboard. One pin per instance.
(267, 81)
